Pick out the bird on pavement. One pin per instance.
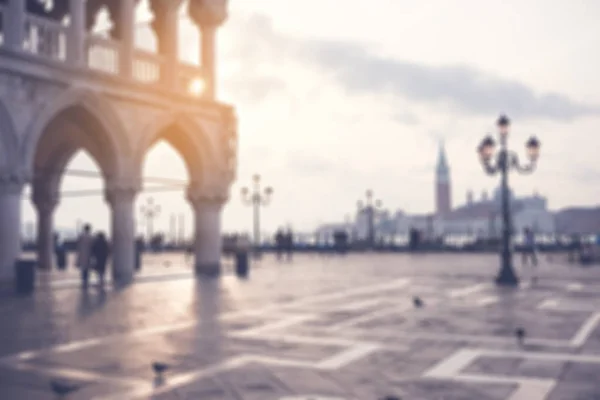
(62, 388)
(417, 302)
(159, 367)
(520, 334)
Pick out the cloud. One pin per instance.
(406, 118)
(254, 88)
(360, 71)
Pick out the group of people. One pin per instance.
(284, 243)
(93, 252)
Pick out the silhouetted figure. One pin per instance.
(62, 389)
(60, 252)
(159, 368)
(100, 252)
(84, 254)
(279, 243)
(529, 247)
(574, 248)
(340, 240)
(139, 248)
(289, 244)
(520, 335)
(417, 302)
(413, 239)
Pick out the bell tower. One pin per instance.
(443, 203)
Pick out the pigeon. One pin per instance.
(62, 388)
(417, 302)
(391, 398)
(159, 368)
(520, 334)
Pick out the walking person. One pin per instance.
(100, 252)
(60, 253)
(84, 254)
(529, 253)
(139, 248)
(279, 243)
(289, 243)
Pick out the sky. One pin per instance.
(333, 100)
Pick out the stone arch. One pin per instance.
(100, 127)
(8, 139)
(186, 137)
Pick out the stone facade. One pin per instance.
(53, 103)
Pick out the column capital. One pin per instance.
(208, 14)
(206, 199)
(12, 183)
(123, 191)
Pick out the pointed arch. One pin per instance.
(94, 116)
(186, 137)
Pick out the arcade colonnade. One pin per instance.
(55, 101)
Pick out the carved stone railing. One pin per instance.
(103, 54)
(45, 38)
(147, 66)
(190, 79)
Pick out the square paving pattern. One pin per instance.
(323, 328)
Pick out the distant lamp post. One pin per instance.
(370, 209)
(503, 161)
(150, 211)
(256, 199)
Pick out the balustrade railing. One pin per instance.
(147, 66)
(45, 38)
(103, 54)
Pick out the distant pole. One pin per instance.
(173, 228)
(181, 239)
(256, 198)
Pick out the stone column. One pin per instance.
(166, 28)
(127, 21)
(207, 237)
(209, 35)
(14, 25)
(76, 51)
(45, 231)
(208, 15)
(121, 201)
(10, 225)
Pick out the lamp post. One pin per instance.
(256, 199)
(150, 211)
(370, 208)
(503, 161)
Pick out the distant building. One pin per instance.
(478, 217)
(578, 220)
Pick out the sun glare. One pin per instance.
(197, 86)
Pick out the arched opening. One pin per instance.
(75, 143)
(170, 161)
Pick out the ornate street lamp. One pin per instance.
(256, 199)
(503, 161)
(149, 212)
(370, 209)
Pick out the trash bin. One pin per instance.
(25, 275)
(241, 264)
(242, 267)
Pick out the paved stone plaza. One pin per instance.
(328, 327)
